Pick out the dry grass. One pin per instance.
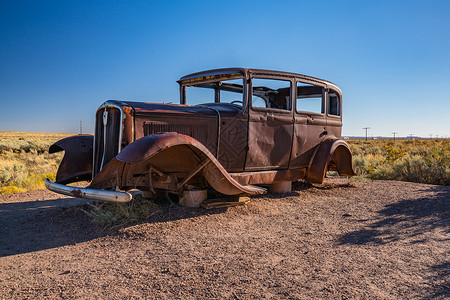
(25, 161)
(423, 160)
(112, 214)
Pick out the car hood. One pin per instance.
(143, 108)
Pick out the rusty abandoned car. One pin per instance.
(235, 130)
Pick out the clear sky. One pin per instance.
(61, 59)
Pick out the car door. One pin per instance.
(310, 122)
(270, 126)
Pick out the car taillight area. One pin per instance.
(108, 135)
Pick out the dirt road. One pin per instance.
(372, 240)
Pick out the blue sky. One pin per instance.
(61, 59)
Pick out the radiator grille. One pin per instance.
(106, 150)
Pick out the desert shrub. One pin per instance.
(11, 190)
(14, 171)
(362, 165)
(425, 161)
(5, 176)
(392, 153)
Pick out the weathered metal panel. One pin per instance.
(309, 131)
(233, 143)
(334, 126)
(331, 151)
(203, 128)
(270, 140)
(76, 164)
(268, 177)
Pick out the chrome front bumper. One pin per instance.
(94, 194)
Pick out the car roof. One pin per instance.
(226, 71)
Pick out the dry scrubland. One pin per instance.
(25, 162)
(422, 160)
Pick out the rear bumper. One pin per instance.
(94, 194)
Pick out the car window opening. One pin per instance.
(271, 93)
(334, 107)
(223, 92)
(309, 98)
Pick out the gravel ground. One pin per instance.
(343, 239)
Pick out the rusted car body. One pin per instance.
(234, 130)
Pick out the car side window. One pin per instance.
(309, 98)
(334, 104)
(271, 93)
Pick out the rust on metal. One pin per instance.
(77, 193)
(76, 164)
(233, 130)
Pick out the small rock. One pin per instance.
(65, 272)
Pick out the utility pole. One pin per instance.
(81, 127)
(366, 128)
(394, 133)
(411, 136)
(431, 136)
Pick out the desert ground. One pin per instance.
(345, 239)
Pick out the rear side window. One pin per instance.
(334, 104)
(309, 98)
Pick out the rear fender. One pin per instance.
(331, 152)
(76, 164)
(168, 161)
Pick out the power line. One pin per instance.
(366, 128)
(394, 133)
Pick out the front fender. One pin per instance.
(76, 164)
(168, 157)
(334, 152)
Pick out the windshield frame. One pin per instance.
(192, 82)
